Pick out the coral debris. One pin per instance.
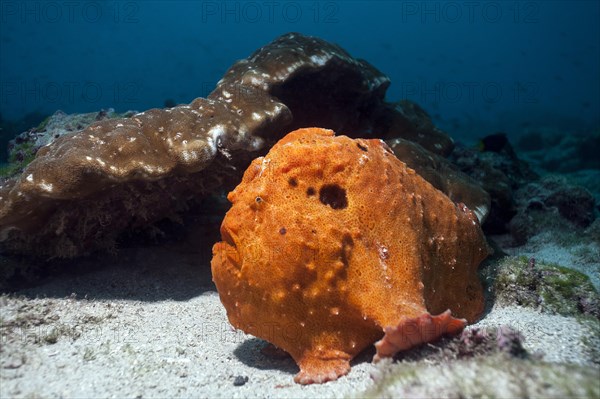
(332, 241)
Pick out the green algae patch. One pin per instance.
(545, 287)
(551, 288)
(20, 156)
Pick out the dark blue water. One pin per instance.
(476, 67)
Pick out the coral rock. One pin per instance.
(562, 151)
(500, 173)
(331, 243)
(86, 188)
(407, 120)
(118, 174)
(443, 175)
(551, 203)
(548, 288)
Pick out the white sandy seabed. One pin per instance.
(150, 324)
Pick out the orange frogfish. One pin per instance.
(332, 244)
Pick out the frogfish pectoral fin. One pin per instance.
(412, 332)
(317, 368)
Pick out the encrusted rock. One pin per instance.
(562, 151)
(549, 288)
(480, 341)
(550, 203)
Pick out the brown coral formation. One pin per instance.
(86, 188)
(331, 242)
(119, 174)
(443, 175)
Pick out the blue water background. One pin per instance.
(476, 67)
